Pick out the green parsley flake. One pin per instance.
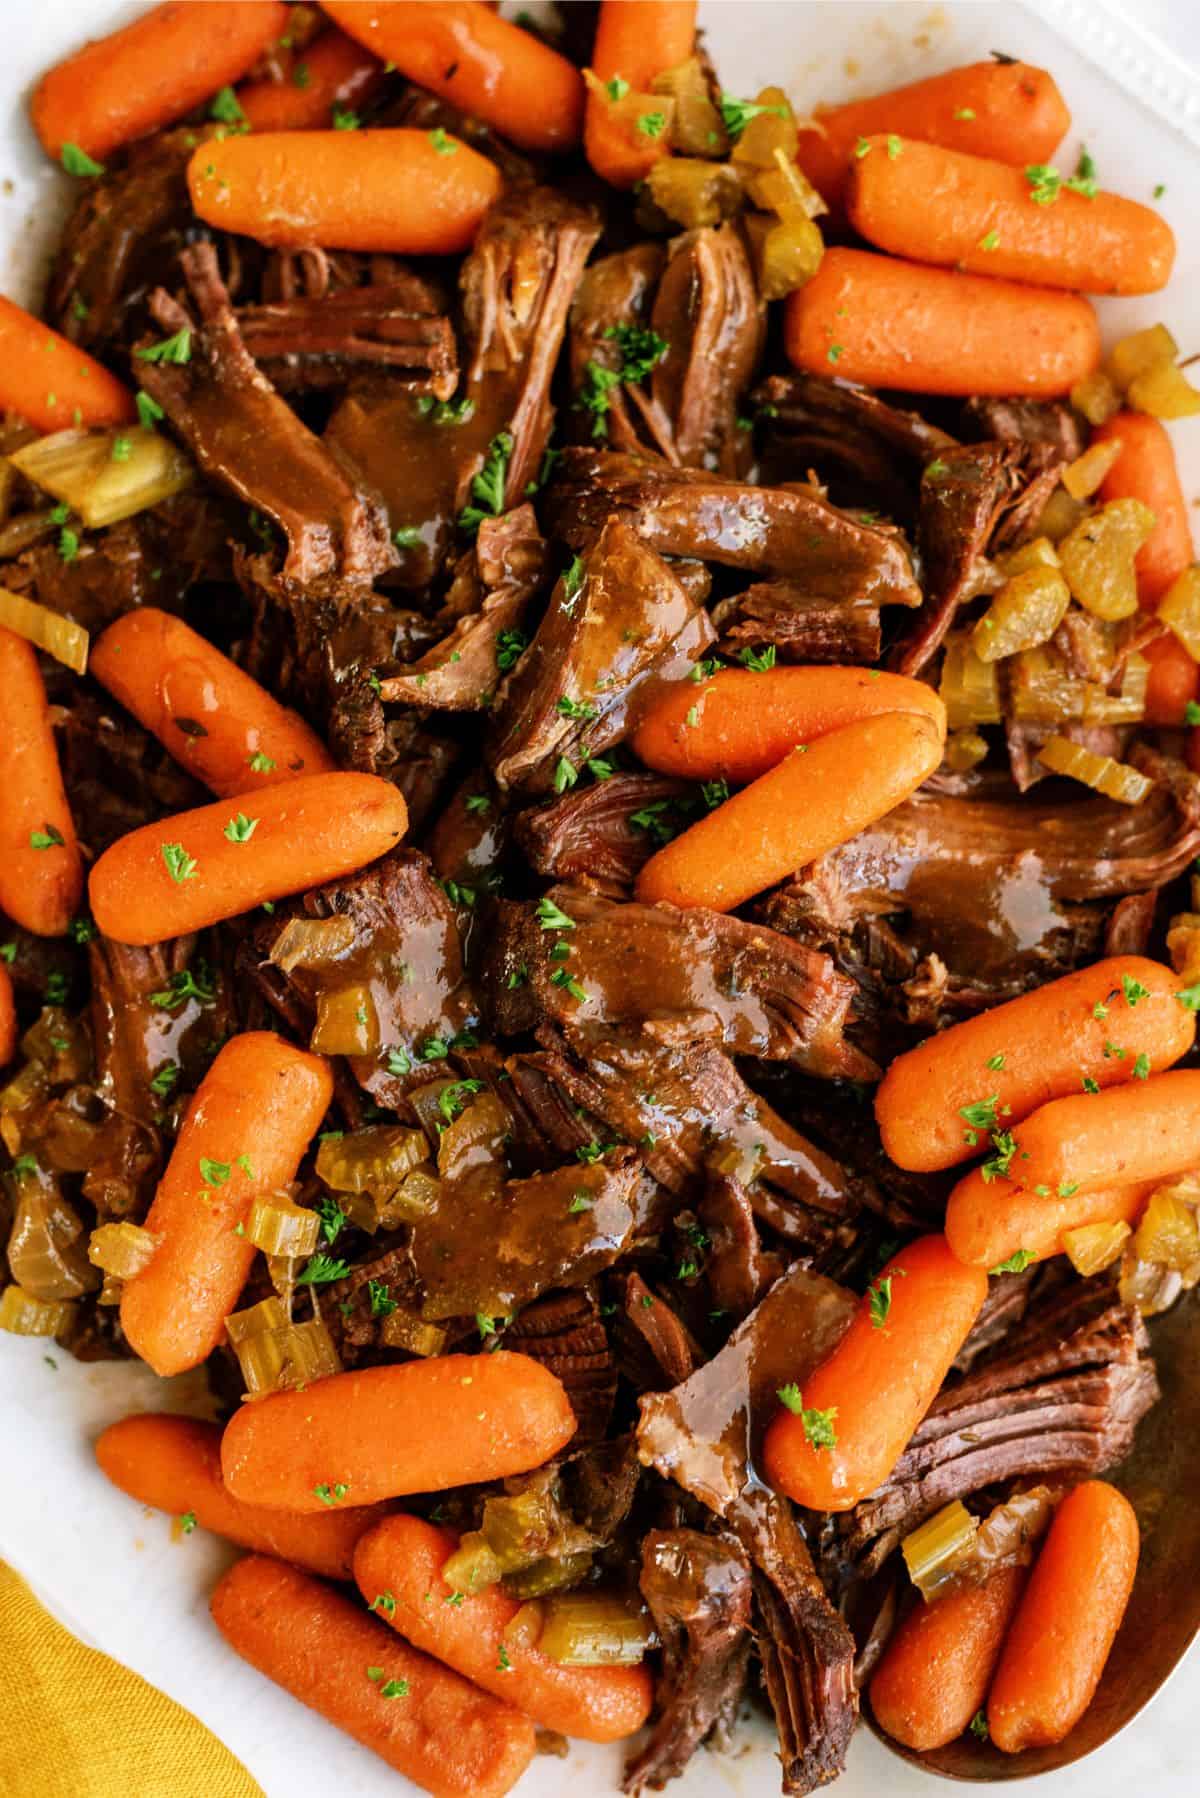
(180, 865)
(979, 1725)
(835, 352)
(964, 112)
(565, 774)
(758, 661)
(406, 536)
(332, 1495)
(737, 114)
(122, 449)
(789, 1395)
(226, 107)
(48, 837)
(176, 349)
(214, 1173)
(981, 1114)
(551, 916)
(510, 647)
(382, 1302)
(163, 1083)
(1017, 1262)
(1141, 1067)
(321, 1269)
(894, 146)
(994, 1063)
(77, 162)
(652, 124)
(487, 488)
(879, 1297)
(1133, 989)
(991, 241)
(241, 828)
(384, 1603)
(187, 1523)
(344, 118)
(616, 89)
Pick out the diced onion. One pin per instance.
(787, 253)
(1059, 515)
(60, 637)
(374, 1160)
(1098, 557)
(1026, 611)
(1180, 609)
(525, 1628)
(122, 1250)
(699, 129)
(111, 1289)
(932, 1550)
(255, 1321)
(1164, 391)
(481, 1126)
(45, 1254)
(311, 942)
(79, 468)
(1183, 946)
(1097, 396)
(1167, 1232)
(347, 1022)
(1131, 356)
(594, 1629)
(401, 1330)
(1039, 552)
(23, 1315)
(279, 1226)
(1149, 1285)
(969, 687)
(965, 749)
(693, 192)
(1116, 780)
(473, 1566)
(1085, 475)
(287, 1359)
(1093, 1247)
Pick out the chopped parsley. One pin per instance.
(572, 580)
(737, 114)
(990, 241)
(332, 1495)
(758, 661)
(452, 1099)
(214, 1173)
(177, 349)
(981, 1114)
(320, 1270)
(8, 953)
(187, 1523)
(978, 1725)
(1191, 712)
(510, 647)
(77, 162)
(406, 536)
(68, 544)
(994, 1063)
(789, 1395)
(48, 837)
(180, 865)
(382, 1302)
(581, 1200)
(503, 1664)
(487, 488)
(598, 383)
(1017, 1262)
(241, 828)
(879, 1298)
(445, 412)
(479, 802)
(1090, 1085)
(384, 1603)
(998, 1163)
(261, 764)
(551, 916)
(184, 985)
(616, 89)
(1189, 997)
(652, 124)
(122, 449)
(344, 118)
(714, 793)
(561, 977)
(835, 352)
(331, 1215)
(1099, 1011)
(226, 107)
(641, 350)
(894, 146)
(1133, 989)
(1046, 183)
(565, 774)
(163, 1083)
(964, 112)
(1141, 1067)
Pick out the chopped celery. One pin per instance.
(122, 1250)
(932, 1550)
(280, 1227)
(1116, 780)
(78, 467)
(594, 1629)
(59, 637)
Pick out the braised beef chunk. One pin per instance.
(675, 975)
(789, 531)
(312, 342)
(1046, 422)
(618, 625)
(564, 1332)
(739, 1269)
(698, 1591)
(611, 302)
(666, 1349)
(963, 491)
(116, 776)
(589, 834)
(248, 438)
(708, 314)
(783, 614)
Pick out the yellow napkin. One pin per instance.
(78, 1725)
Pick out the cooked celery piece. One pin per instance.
(964, 749)
(1126, 707)
(594, 1629)
(932, 1551)
(1180, 608)
(1093, 1247)
(784, 189)
(21, 1097)
(59, 637)
(473, 1566)
(401, 1330)
(1097, 396)
(769, 131)
(1039, 552)
(79, 468)
(1167, 1232)
(1183, 946)
(374, 1160)
(1098, 557)
(1026, 611)
(23, 1315)
(122, 1250)
(787, 254)
(417, 1195)
(1085, 475)
(699, 129)
(283, 1270)
(694, 193)
(1164, 391)
(1140, 350)
(969, 688)
(255, 1321)
(1116, 780)
(1041, 690)
(525, 1628)
(311, 942)
(287, 1359)
(554, 1573)
(46, 1256)
(479, 1129)
(347, 1022)
(1060, 515)
(25, 530)
(280, 1227)
(527, 1539)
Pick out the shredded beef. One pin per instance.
(708, 313)
(800, 626)
(310, 342)
(589, 833)
(1046, 422)
(617, 291)
(565, 1333)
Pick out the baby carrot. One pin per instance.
(384, 1431)
(199, 867)
(635, 41)
(1146, 470)
(738, 724)
(8, 1018)
(889, 323)
(412, 193)
(150, 73)
(217, 722)
(1067, 1620)
(1145, 1130)
(935, 1671)
(50, 382)
(1174, 679)
(841, 1437)
(1008, 110)
(41, 875)
(426, 1722)
(988, 1222)
(253, 1116)
(974, 213)
(174, 1464)
(479, 62)
(402, 1558)
(937, 1102)
(331, 71)
(816, 798)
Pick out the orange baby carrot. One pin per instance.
(935, 1671)
(384, 1431)
(199, 867)
(413, 193)
(426, 1722)
(1019, 1055)
(151, 72)
(1146, 470)
(1174, 679)
(1067, 1620)
(253, 1116)
(479, 62)
(8, 1018)
(974, 213)
(738, 724)
(862, 1404)
(889, 323)
(41, 875)
(814, 799)
(1146, 1130)
(1008, 110)
(402, 1559)
(50, 382)
(331, 71)
(174, 1464)
(635, 41)
(217, 722)
(988, 1222)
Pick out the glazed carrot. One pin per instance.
(402, 1558)
(1008, 110)
(426, 1722)
(971, 212)
(864, 1402)
(174, 1464)
(989, 1221)
(199, 867)
(936, 1669)
(249, 1123)
(889, 323)
(217, 722)
(1146, 470)
(1026, 1052)
(814, 799)
(50, 382)
(150, 73)
(481, 63)
(41, 875)
(737, 724)
(331, 71)
(635, 41)
(1146, 1130)
(385, 1431)
(412, 193)
(1174, 679)
(8, 1018)
(1067, 1620)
